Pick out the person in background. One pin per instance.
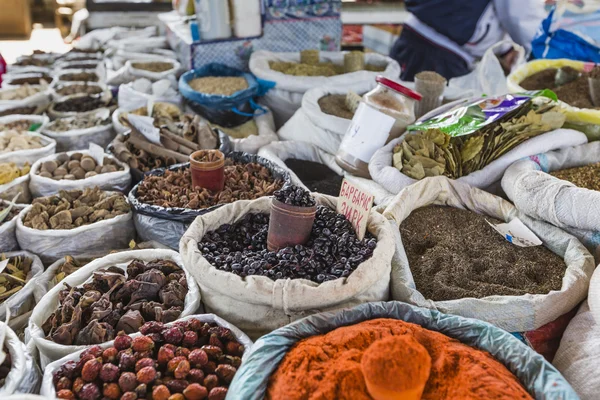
(448, 36)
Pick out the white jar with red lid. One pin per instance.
(383, 115)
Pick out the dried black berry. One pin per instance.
(295, 196)
(333, 250)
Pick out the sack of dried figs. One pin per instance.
(75, 222)
(560, 187)
(259, 304)
(48, 388)
(113, 175)
(154, 296)
(322, 124)
(514, 270)
(8, 225)
(24, 376)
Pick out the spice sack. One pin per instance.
(512, 313)
(23, 300)
(258, 304)
(537, 375)
(8, 240)
(286, 97)
(528, 184)
(24, 375)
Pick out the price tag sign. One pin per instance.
(517, 233)
(355, 204)
(145, 125)
(97, 153)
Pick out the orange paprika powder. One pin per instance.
(328, 367)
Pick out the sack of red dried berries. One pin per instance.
(196, 357)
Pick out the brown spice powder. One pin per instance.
(587, 177)
(335, 104)
(455, 254)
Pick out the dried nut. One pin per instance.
(60, 171)
(146, 375)
(108, 168)
(160, 392)
(78, 173)
(111, 391)
(172, 365)
(88, 164)
(76, 156)
(98, 169)
(46, 174)
(213, 352)
(49, 166)
(62, 158)
(69, 177)
(176, 396)
(127, 382)
(195, 392)
(58, 177)
(218, 393)
(72, 165)
(90, 174)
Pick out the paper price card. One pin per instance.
(355, 204)
(517, 233)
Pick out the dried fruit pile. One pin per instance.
(22, 92)
(114, 301)
(79, 77)
(587, 177)
(18, 125)
(80, 104)
(35, 79)
(153, 66)
(295, 196)
(83, 122)
(14, 276)
(219, 85)
(333, 250)
(73, 208)
(69, 266)
(14, 141)
(455, 254)
(174, 188)
(190, 360)
(76, 166)
(13, 212)
(433, 153)
(66, 90)
(10, 171)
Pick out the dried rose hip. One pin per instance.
(109, 373)
(127, 382)
(213, 352)
(143, 354)
(95, 351)
(160, 392)
(91, 369)
(141, 390)
(218, 393)
(171, 365)
(110, 355)
(225, 372)
(77, 385)
(144, 362)
(127, 362)
(198, 357)
(112, 391)
(195, 392)
(234, 349)
(146, 375)
(152, 327)
(177, 385)
(142, 343)
(214, 341)
(210, 367)
(63, 383)
(189, 339)
(183, 368)
(211, 381)
(129, 396)
(176, 396)
(165, 355)
(65, 394)
(196, 375)
(173, 335)
(123, 341)
(89, 391)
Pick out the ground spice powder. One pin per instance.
(328, 367)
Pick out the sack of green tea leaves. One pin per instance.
(564, 200)
(474, 143)
(483, 292)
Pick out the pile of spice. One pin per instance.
(14, 277)
(79, 104)
(189, 360)
(587, 177)
(455, 254)
(219, 85)
(69, 266)
(115, 300)
(333, 250)
(76, 166)
(79, 77)
(354, 361)
(30, 79)
(316, 177)
(574, 91)
(14, 141)
(22, 92)
(22, 110)
(73, 123)
(67, 90)
(70, 209)
(163, 114)
(18, 125)
(337, 105)
(248, 128)
(174, 189)
(11, 171)
(310, 65)
(153, 66)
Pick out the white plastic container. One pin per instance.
(247, 20)
(214, 20)
(383, 115)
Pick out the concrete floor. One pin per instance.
(46, 39)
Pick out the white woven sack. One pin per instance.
(23, 301)
(20, 185)
(80, 139)
(24, 375)
(528, 184)
(258, 304)
(119, 181)
(128, 73)
(286, 97)
(594, 295)
(488, 178)
(41, 99)
(121, 56)
(50, 351)
(579, 354)
(21, 157)
(48, 390)
(310, 124)
(511, 313)
(130, 98)
(52, 244)
(43, 120)
(8, 240)
(266, 134)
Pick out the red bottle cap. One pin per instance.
(398, 88)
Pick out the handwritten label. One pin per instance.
(355, 204)
(97, 153)
(517, 233)
(3, 265)
(145, 125)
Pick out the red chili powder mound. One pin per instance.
(328, 367)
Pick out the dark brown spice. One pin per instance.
(455, 254)
(587, 177)
(335, 104)
(316, 177)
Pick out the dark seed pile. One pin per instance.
(333, 250)
(587, 177)
(295, 196)
(79, 104)
(317, 177)
(455, 254)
